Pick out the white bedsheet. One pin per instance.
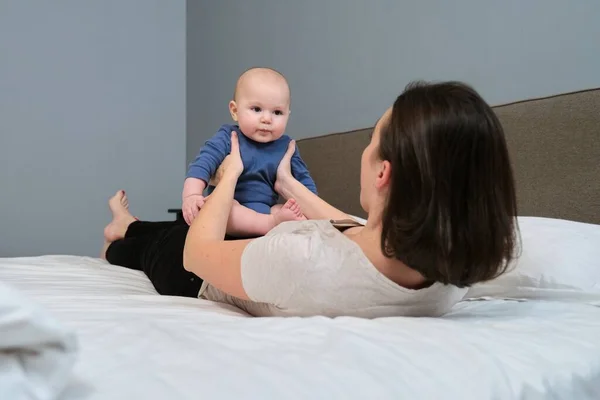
(136, 344)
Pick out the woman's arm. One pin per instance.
(206, 253)
(313, 207)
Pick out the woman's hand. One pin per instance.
(232, 165)
(289, 187)
(284, 170)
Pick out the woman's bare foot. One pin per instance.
(119, 207)
(289, 212)
(104, 248)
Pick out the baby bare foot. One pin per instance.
(119, 207)
(289, 212)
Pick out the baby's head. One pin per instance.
(261, 104)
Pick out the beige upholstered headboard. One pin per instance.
(554, 144)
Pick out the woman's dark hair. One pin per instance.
(451, 210)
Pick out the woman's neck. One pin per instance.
(369, 240)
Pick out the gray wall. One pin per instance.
(93, 93)
(92, 99)
(346, 60)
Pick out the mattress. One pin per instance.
(134, 343)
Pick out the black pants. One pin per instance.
(157, 249)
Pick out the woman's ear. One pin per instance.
(384, 175)
(233, 110)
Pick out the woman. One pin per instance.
(438, 188)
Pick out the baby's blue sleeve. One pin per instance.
(300, 172)
(211, 155)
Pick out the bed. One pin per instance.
(133, 343)
(78, 328)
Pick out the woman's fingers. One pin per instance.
(234, 161)
(235, 145)
(286, 160)
(290, 150)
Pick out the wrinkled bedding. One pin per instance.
(133, 343)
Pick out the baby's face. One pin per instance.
(262, 109)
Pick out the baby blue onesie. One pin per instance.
(255, 188)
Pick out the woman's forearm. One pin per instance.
(206, 254)
(211, 222)
(313, 207)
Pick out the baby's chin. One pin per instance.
(264, 137)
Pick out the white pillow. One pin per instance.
(559, 260)
(37, 353)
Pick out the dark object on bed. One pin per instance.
(178, 213)
(554, 144)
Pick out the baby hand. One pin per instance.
(191, 205)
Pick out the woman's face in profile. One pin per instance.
(369, 164)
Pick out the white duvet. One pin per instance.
(36, 351)
(134, 343)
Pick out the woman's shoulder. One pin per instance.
(305, 228)
(299, 242)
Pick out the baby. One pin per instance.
(261, 108)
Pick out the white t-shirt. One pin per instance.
(310, 268)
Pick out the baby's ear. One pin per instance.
(233, 110)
